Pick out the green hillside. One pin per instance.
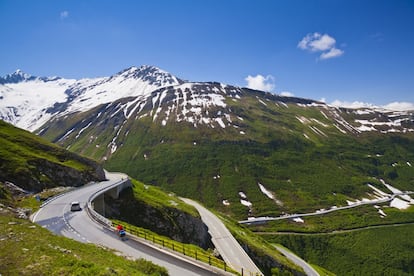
(306, 155)
(28, 249)
(382, 251)
(57, 255)
(295, 151)
(34, 164)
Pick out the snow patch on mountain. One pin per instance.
(133, 82)
(25, 104)
(399, 204)
(29, 102)
(226, 202)
(298, 220)
(265, 191)
(193, 102)
(246, 203)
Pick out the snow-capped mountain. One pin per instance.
(147, 91)
(16, 77)
(132, 82)
(25, 99)
(28, 101)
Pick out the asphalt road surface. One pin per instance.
(57, 217)
(309, 270)
(231, 251)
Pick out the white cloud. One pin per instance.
(333, 52)
(317, 42)
(394, 106)
(260, 82)
(399, 106)
(64, 14)
(355, 104)
(286, 94)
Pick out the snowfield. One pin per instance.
(399, 203)
(25, 104)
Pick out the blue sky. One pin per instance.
(350, 51)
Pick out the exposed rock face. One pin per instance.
(41, 174)
(169, 222)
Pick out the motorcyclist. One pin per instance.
(121, 230)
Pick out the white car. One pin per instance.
(75, 206)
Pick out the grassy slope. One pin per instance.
(305, 174)
(20, 146)
(155, 197)
(260, 250)
(302, 174)
(28, 249)
(382, 251)
(24, 155)
(341, 220)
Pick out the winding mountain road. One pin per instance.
(57, 217)
(231, 251)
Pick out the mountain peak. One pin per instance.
(150, 74)
(17, 76)
(20, 73)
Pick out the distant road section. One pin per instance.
(57, 217)
(231, 251)
(309, 270)
(322, 212)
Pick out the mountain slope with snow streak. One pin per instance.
(133, 82)
(29, 102)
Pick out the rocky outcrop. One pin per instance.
(34, 164)
(40, 174)
(166, 221)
